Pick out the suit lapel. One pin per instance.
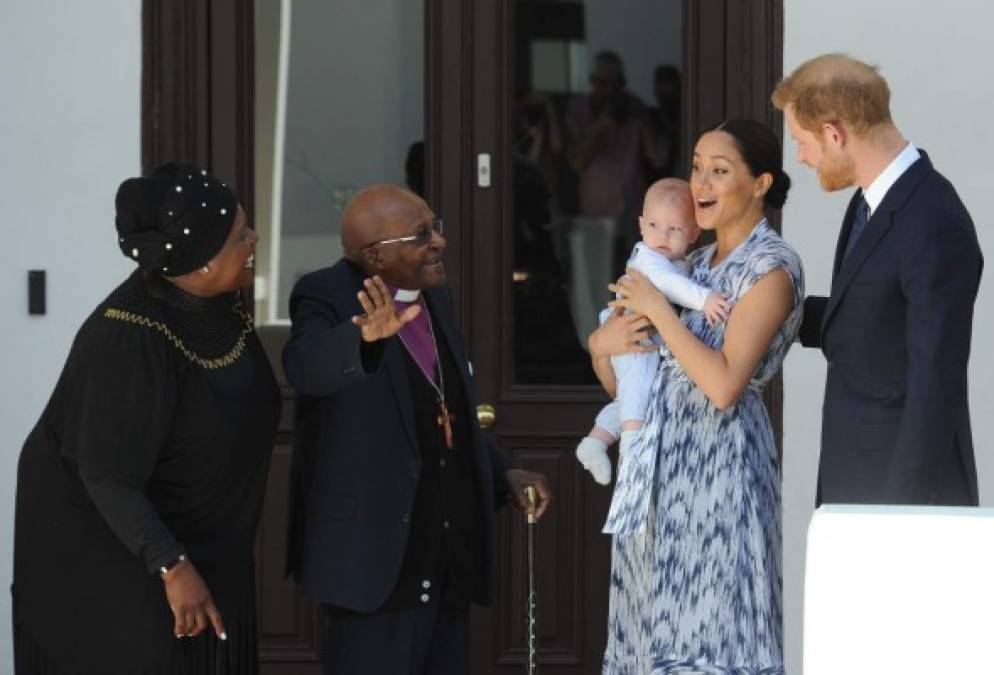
(879, 224)
(439, 309)
(847, 221)
(393, 361)
(393, 357)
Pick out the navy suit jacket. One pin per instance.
(356, 461)
(896, 333)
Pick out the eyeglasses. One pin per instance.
(420, 237)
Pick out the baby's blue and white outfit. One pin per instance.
(634, 372)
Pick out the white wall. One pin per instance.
(69, 133)
(934, 59)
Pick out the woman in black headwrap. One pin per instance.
(140, 488)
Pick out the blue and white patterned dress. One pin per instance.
(696, 557)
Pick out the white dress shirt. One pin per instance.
(877, 190)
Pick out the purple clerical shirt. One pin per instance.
(417, 337)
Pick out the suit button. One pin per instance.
(441, 463)
(445, 524)
(426, 584)
(425, 598)
(407, 518)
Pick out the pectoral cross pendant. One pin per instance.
(445, 420)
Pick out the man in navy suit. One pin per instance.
(393, 486)
(896, 328)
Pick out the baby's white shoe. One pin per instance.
(592, 454)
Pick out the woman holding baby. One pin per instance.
(696, 558)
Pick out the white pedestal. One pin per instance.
(899, 590)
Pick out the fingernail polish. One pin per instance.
(224, 636)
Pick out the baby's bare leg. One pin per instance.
(602, 435)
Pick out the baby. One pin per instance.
(668, 228)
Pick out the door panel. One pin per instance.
(289, 625)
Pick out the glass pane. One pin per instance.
(336, 110)
(596, 119)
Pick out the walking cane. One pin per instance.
(532, 622)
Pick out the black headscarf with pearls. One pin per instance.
(175, 219)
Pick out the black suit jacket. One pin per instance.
(896, 332)
(356, 461)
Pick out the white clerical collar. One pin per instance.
(877, 190)
(403, 295)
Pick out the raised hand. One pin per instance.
(381, 319)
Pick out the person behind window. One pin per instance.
(661, 133)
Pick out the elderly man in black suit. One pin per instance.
(393, 486)
(896, 328)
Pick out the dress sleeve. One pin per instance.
(118, 419)
(774, 254)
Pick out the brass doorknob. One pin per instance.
(486, 415)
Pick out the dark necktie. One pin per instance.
(858, 225)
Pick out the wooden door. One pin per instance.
(197, 95)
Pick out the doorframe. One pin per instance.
(198, 88)
(750, 72)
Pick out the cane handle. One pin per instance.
(532, 496)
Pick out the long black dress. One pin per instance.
(156, 442)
